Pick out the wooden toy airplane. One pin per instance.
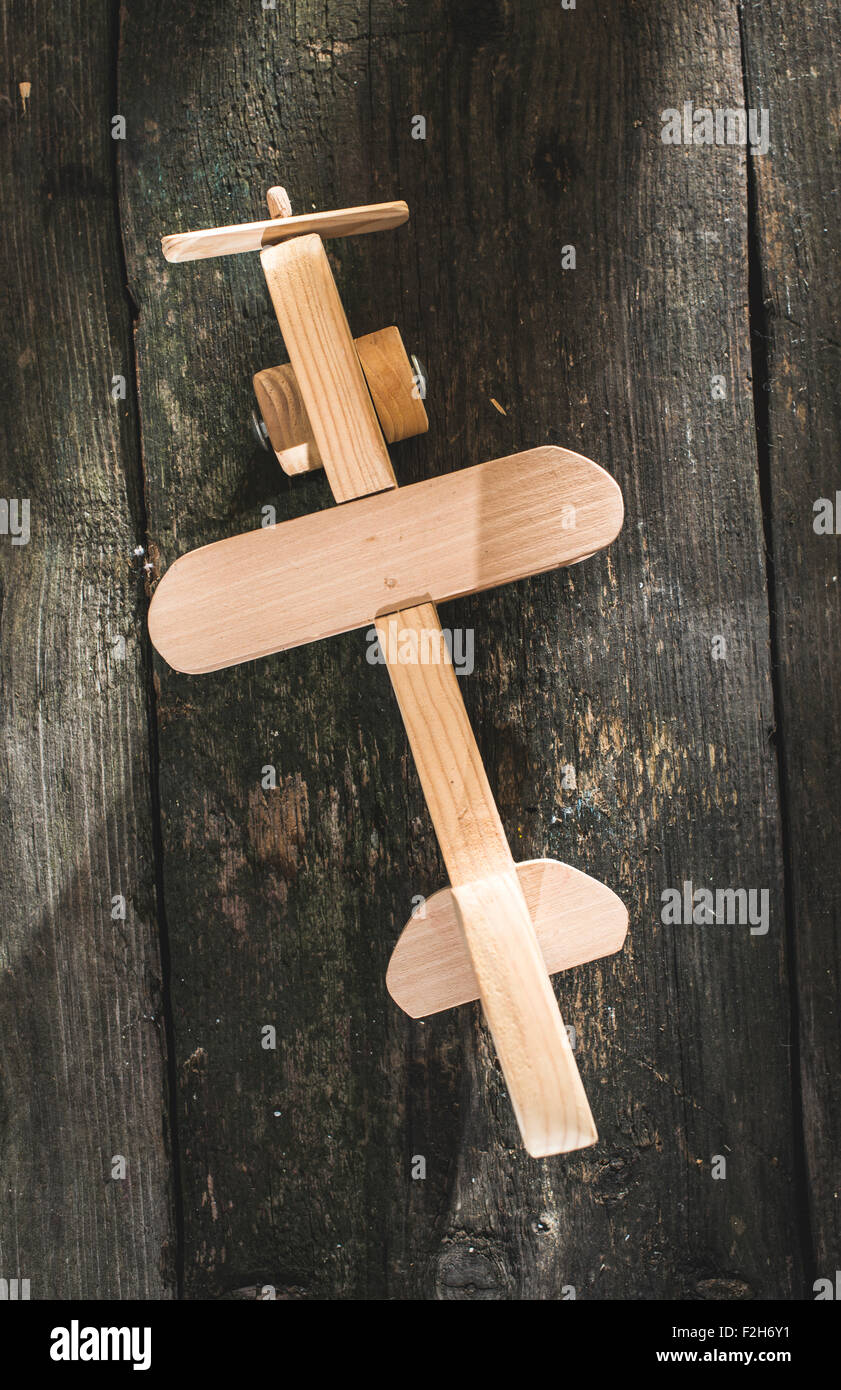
(387, 556)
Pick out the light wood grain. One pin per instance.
(253, 236)
(322, 574)
(513, 984)
(389, 377)
(335, 570)
(534, 1051)
(576, 919)
(337, 402)
(285, 416)
(278, 202)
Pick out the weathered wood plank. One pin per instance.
(83, 1074)
(543, 131)
(792, 70)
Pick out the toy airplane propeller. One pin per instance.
(387, 556)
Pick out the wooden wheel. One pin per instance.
(390, 380)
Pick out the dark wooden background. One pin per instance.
(292, 1168)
